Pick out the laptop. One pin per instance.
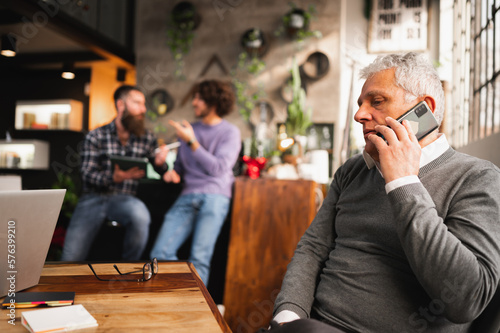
(27, 222)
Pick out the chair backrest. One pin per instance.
(489, 320)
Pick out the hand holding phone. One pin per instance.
(421, 120)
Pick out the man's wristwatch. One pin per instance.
(191, 141)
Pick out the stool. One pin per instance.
(108, 244)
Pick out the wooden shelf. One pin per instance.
(59, 114)
(24, 154)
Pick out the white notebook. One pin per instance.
(60, 319)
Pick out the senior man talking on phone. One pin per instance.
(407, 239)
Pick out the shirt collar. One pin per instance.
(429, 152)
(112, 125)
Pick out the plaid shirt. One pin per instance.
(99, 145)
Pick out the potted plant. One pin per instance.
(296, 23)
(64, 181)
(254, 42)
(298, 117)
(185, 16)
(183, 21)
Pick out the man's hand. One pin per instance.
(184, 131)
(120, 175)
(400, 155)
(171, 176)
(161, 155)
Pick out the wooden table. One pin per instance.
(174, 300)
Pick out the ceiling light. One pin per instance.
(68, 72)
(9, 48)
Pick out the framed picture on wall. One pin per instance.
(398, 26)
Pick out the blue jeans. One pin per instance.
(92, 210)
(197, 213)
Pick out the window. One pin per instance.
(475, 112)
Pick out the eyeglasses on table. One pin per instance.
(148, 271)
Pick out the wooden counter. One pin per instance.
(268, 218)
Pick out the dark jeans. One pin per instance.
(92, 210)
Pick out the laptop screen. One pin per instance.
(27, 222)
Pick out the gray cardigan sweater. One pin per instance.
(423, 258)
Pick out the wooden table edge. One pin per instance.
(213, 307)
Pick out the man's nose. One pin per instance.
(362, 114)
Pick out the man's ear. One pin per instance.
(120, 105)
(430, 102)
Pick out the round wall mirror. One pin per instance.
(161, 102)
(316, 66)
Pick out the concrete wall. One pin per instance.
(344, 28)
(219, 34)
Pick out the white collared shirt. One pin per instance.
(429, 154)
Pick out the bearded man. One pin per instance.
(109, 193)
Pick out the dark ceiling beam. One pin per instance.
(48, 58)
(9, 17)
(64, 24)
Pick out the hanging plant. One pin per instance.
(158, 127)
(182, 23)
(245, 100)
(249, 63)
(296, 23)
(254, 42)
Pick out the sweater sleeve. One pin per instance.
(456, 257)
(301, 278)
(224, 156)
(178, 164)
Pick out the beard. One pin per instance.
(133, 124)
(202, 114)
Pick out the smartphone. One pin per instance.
(421, 120)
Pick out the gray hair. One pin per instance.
(414, 74)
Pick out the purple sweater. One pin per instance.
(209, 169)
